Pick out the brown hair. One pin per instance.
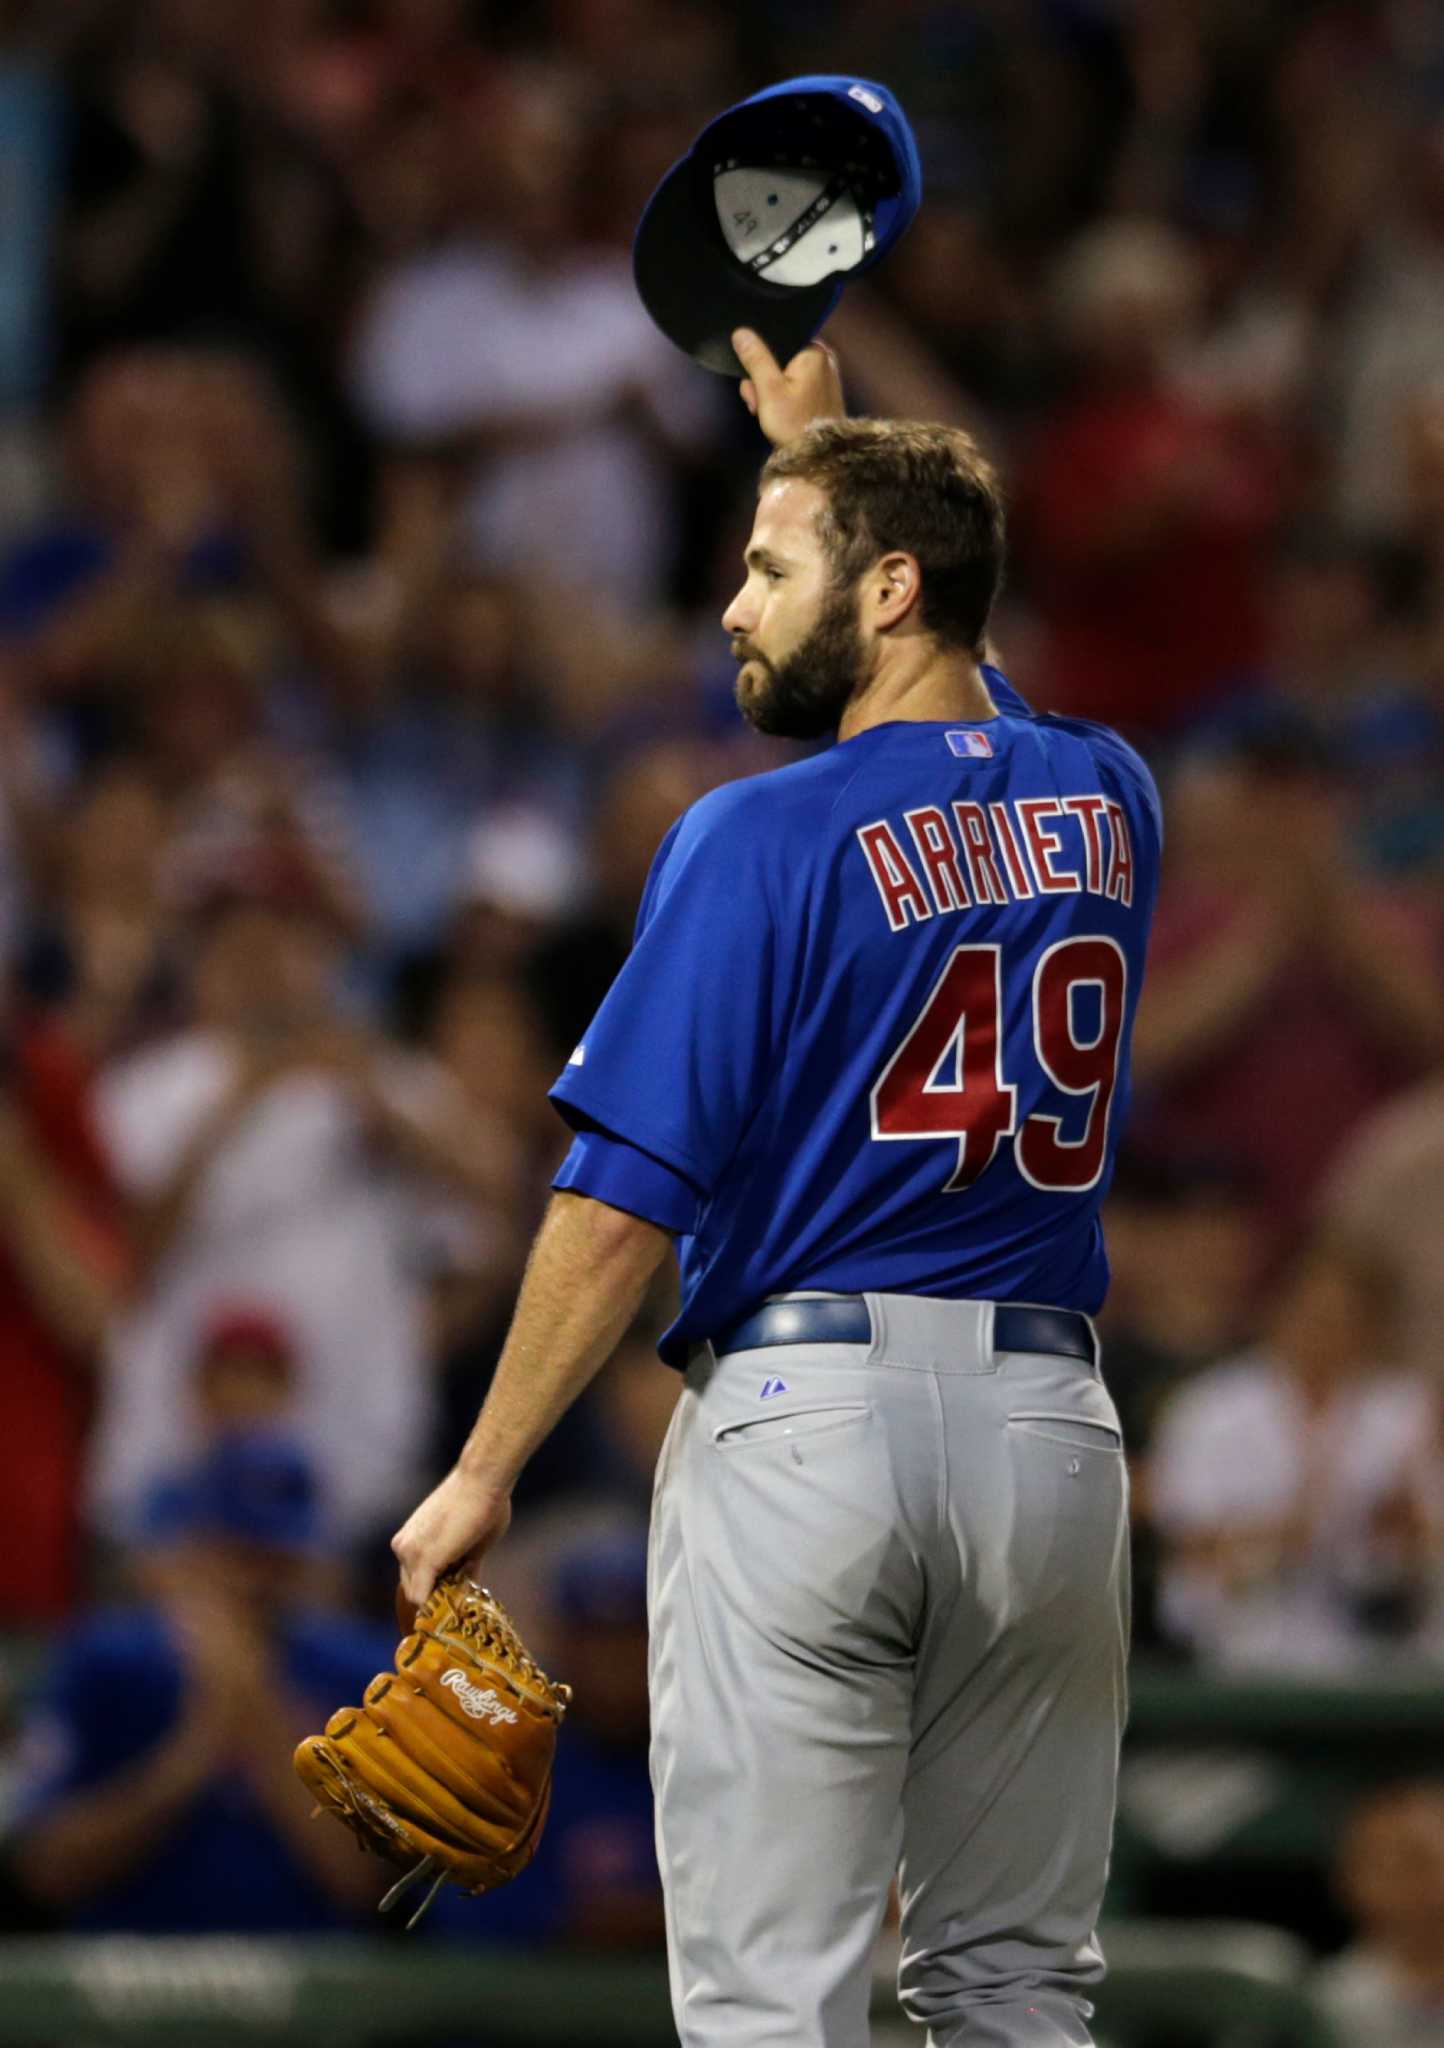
(926, 490)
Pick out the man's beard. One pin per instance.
(804, 696)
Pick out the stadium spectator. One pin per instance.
(522, 876)
(182, 482)
(236, 799)
(484, 1034)
(63, 1260)
(32, 120)
(458, 724)
(96, 951)
(23, 814)
(576, 963)
(1343, 670)
(1185, 1247)
(1142, 518)
(1386, 344)
(1288, 997)
(1386, 1194)
(158, 1794)
(1387, 1988)
(201, 205)
(246, 1372)
(141, 518)
(273, 1149)
(1297, 1489)
(967, 300)
(528, 364)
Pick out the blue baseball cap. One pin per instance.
(777, 204)
(255, 1486)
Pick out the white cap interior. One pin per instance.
(759, 207)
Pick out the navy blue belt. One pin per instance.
(846, 1319)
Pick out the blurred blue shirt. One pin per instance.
(114, 1694)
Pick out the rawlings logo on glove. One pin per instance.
(484, 1705)
(446, 1765)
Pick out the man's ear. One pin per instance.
(894, 587)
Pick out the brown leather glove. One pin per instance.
(446, 1766)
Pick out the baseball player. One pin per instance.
(865, 1068)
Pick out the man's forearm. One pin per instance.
(589, 1269)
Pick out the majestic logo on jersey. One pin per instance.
(482, 1705)
(970, 746)
(771, 1387)
(578, 1058)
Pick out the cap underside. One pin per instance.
(697, 290)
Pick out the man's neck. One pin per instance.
(922, 686)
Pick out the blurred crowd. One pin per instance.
(362, 550)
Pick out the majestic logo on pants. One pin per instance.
(481, 1705)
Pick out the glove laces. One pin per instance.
(482, 1620)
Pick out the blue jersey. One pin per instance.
(878, 1012)
(221, 1864)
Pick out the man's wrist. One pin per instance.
(485, 1474)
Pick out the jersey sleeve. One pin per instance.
(677, 1058)
(612, 1171)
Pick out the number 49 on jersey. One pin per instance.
(946, 1078)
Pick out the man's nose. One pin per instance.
(736, 617)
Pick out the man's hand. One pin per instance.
(786, 402)
(457, 1523)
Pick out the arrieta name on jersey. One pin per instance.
(927, 862)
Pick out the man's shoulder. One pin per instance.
(1108, 748)
(735, 813)
(1113, 754)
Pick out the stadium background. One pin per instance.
(361, 558)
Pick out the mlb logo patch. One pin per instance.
(970, 746)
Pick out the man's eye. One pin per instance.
(773, 575)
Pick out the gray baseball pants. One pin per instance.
(889, 1616)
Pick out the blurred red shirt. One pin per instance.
(1142, 523)
(1296, 1075)
(48, 1389)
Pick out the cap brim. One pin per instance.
(697, 294)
